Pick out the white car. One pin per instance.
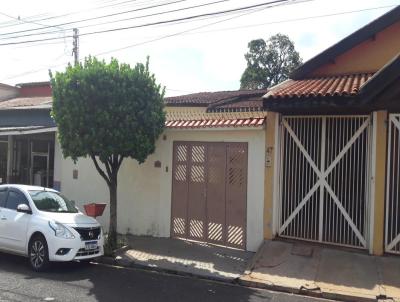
(44, 226)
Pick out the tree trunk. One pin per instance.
(112, 232)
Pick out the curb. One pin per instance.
(131, 264)
(305, 292)
(121, 250)
(255, 258)
(238, 281)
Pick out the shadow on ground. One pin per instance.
(190, 257)
(88, 282)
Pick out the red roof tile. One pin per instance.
(213, 123)
(255, 103)
(343, 85)
(207, 98)
(30, 102)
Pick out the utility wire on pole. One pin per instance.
(269, 4)
(75, 44)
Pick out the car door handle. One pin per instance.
(3, 218)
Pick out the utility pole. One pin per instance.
(75, 44)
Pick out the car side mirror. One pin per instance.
(24, 208)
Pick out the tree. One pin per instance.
(269, 62)
(107, 112)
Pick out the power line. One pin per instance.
(193, 17)
(203, 26)
(154, 40)
(253, 25)
(294, 19)
(34, 22)
(30, 22)
(70, 13)
(177, 33)
(11, 23)
(39, 44)
(95, 18)
(122, 20)
(190, 31)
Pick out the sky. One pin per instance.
(205, 54)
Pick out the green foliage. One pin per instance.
(107, 109)
(269, 62)
(107, 112)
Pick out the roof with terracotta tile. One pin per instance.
(206, 98)
(252, 103)
(330, 86)
(25, 103)
(216, 123)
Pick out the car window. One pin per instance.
(3, 196)
(14, 199)
(49, 201)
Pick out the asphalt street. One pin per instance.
(90, 282)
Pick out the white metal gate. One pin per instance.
(392, 233)
(324, 179)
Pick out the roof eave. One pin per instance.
(347, 43)
(186, 104)
(381, 80)
(314, 104)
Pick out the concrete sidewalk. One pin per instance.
(184, 257)
(324, 272)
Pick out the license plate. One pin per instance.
(92, 245)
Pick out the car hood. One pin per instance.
(71, 219)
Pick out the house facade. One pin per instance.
(314, 159)
(27, 134)
(336, 144)
(203, 182)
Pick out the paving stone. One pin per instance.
(185, 257)
(331, 273)
(302, 250)
(390, 271)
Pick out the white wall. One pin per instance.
(144, 192)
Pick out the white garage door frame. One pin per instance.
(392, 224)
(322, 188)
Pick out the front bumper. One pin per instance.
(76, 246)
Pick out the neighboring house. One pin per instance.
(203, 182)
(26, 134)
(315, 158)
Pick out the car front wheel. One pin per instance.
(38, 253)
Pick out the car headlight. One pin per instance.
(60, 230)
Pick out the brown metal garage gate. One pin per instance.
(324, 179)
(209, 192)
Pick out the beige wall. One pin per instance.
(270, 174)
(378, 181)
(144, 192)
(368, 56)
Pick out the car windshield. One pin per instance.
(48, 201)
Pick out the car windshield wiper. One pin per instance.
(65, 212)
